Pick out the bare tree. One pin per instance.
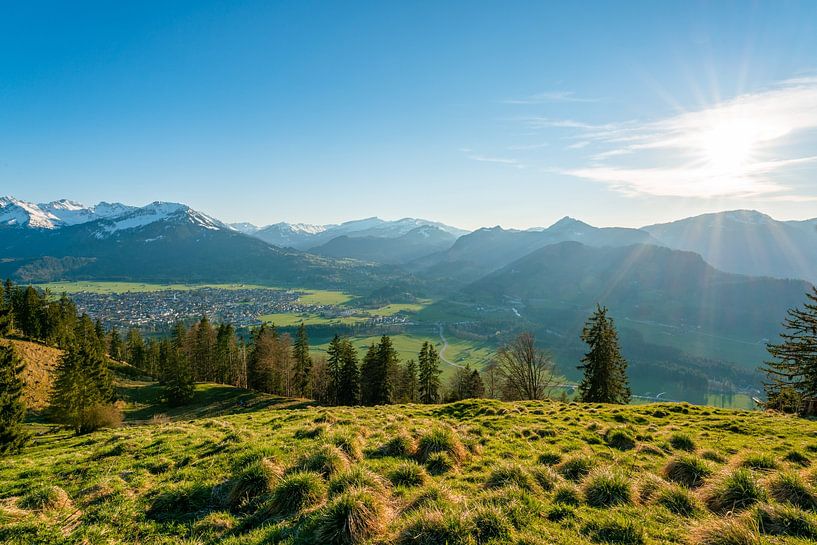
(527, 372)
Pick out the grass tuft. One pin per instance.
(576, 467)
(620, 439)
(789, 487)
(408, 473)
(785, 520)
(401, 445)
(614, 528)
(489, 524)
(441, 440)
(728, 531)
(435, 527)
(734, 492)
(352, 518)
(296, 492)
(255, 480)
(687, 470)
(349, 443)
(438, 463)
(760, 462)
(511, 475)
(567, 494)
(677, 500)
(328, 460)
(682, 441)
(606, 488)
(356, 477)
(45, 498)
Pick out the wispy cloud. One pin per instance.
(550, 96)
(735, 148)
(470, 154)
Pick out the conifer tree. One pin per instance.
(82, 382)
(177, 381)
(135, 351)
(406, 389)
(334, 364)
(428, 387)
(605, 369)
(349, 375)
(12, 409)
(29, 314)
(792, 371)
(369, 385)
(115, 349)
(302, 362)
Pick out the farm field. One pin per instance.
(474, 472)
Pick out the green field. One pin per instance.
(408, 347)
(125, 287)
(239, 468)
(290, 319)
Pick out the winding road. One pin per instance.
(442, 350)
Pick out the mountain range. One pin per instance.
(743, 241)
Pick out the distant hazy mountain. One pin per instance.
(305, 236)
(746, 241)
(289, 235)
(420, 241)
(488, 249)
(642, 282)
(158, 242)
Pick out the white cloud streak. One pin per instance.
(736, 148)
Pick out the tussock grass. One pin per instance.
(682, 441)
(734, 491)
(295, 492)
(549, 458)
(576, 467)
(620, 439)
(797, 457)
(401, 445)
(349, 443)
(567, 494)
(687, 470)
(352, 518)
(511, 475)
(760, 462)
(785, 520)
(409, 473)
(441, 440)
(328, 460)
(439, 463)
(790, 487)
(489, 524)
(45, 497)
(436, 527)
(728, 531)
(614, 528)
(255, 480)
(677, 500)
(606, 488)
(356, 477)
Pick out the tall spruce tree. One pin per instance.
(12, 409)
(349, 375)
(605, 369)
(177, 374)
(334, 363)
(115, 349)
(428, 386)
(302, 362)
(792, 371)
(82, 382)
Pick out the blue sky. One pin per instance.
(472, 113)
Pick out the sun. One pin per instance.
(728, 145)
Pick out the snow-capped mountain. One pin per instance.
(170, 212)
(18, 213)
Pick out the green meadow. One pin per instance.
(240, 468)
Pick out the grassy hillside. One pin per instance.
(40, 362)
(469, 473)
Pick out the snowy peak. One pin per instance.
(73, 213)
(17, 213)
(169, 212)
